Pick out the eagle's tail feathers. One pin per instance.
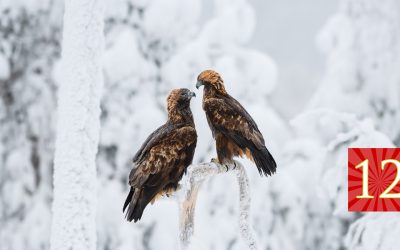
(128, 199)
(136, 202)
(262, 157)
(264, 161)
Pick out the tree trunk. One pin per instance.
(74, 212)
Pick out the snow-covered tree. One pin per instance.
(152, 46)
(378, 231)
(362, 43)
(29, 44)
(78, 126)
(357, 105)
(311, 191)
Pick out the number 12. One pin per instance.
(365, 177)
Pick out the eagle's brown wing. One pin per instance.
(159, 165)
(229, 119)
(151, 140)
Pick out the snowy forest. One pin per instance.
(89, 79)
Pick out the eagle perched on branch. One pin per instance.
(163, 158)
(234, 130)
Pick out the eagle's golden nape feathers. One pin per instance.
(234, 130)
(178, 108)
(212, 78)
(163, 158)
(172, 99)
(177, 96)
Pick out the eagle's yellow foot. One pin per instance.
(214, 160)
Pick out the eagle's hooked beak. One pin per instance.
(199, 83)
(192, 94)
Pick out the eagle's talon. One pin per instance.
(234, 165)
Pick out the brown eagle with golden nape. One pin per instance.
(234, 130)
(163, 158)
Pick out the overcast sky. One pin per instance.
(286, 30)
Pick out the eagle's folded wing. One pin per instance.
(151, 140)
(230, 118)
(166, 150)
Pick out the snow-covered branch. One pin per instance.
(191, 184)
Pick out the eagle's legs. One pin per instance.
(223, 154)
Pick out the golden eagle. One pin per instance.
(234, 130)
(163, 158)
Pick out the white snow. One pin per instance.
(4, 67)
(78, 127)
(152, 46)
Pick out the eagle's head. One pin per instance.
(211, 79)
(178, 104)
